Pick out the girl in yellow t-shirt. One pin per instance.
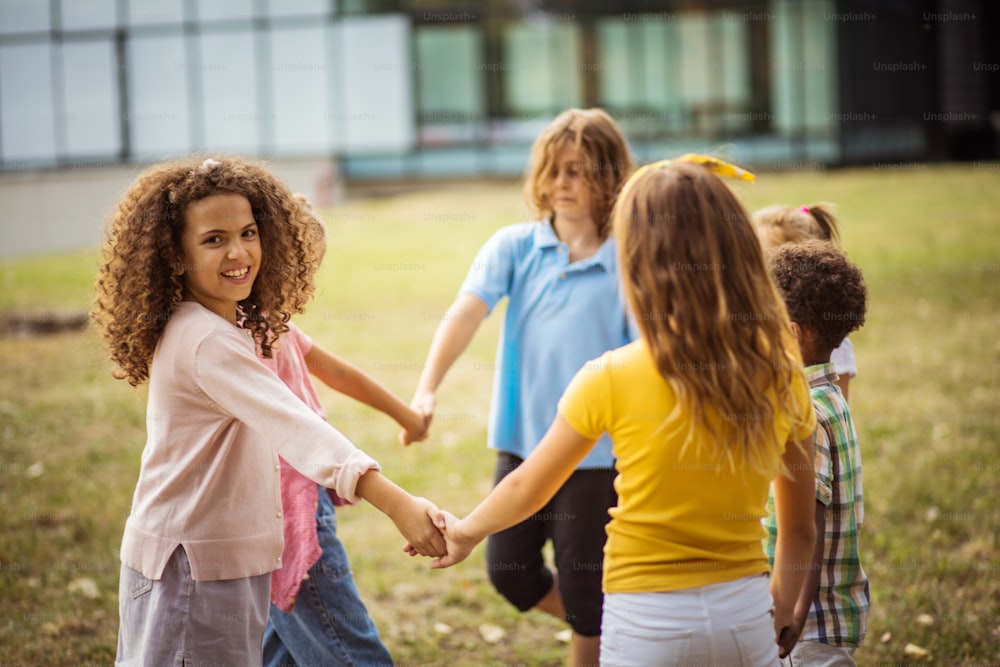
(704, 411)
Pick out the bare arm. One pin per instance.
(350, 380)
(794, 502)
(808, 595)
(518, 495)
(450, 341)
(414, 517)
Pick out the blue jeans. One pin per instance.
(329, 624)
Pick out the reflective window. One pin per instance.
(87, 14)
(27, 105)
(90, 93)
(158, 117)
(152, 12)
(298, 7)
(374, 111)
(224, 9)
(542, 67)
(24, 16)
(228, 73)
(300, 73)
(450, 89)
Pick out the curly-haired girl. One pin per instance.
(205, 261)
(703, 411)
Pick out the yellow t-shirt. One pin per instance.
(685, 517)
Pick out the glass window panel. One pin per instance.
(662, 59)
(783, 42)
(544, 73)
(228, 75)
(90, 91)
(615, 76)
(374, 107)
(87, 14)
(696, 63)
(819, 64)
(450, 72)
(224, 9)
(300, 73)
(298, 7)
(152, 12)
(567, 75)
(26, 105)
(24, 16)
(158, 117)
(735, 74)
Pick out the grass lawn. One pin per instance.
(925, 402)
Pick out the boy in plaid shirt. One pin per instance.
(826, 299)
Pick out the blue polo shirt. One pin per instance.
(560, 315)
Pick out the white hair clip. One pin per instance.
(208, 164)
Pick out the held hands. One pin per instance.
(459, 545)
(417, 523)
(423, 411)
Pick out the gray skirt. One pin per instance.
(179, 621)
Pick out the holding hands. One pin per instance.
(458, 544)
(423, 407)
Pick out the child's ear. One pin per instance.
(801, 336)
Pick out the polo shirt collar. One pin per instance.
(545, 237)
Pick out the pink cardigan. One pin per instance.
(216, 421)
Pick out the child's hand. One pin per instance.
(459, 546)
(416, 522)
(787, 630)
(423, 408)
(415, 427)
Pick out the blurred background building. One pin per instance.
(390, 89)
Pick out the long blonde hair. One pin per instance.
(779, 224)
(696, 281)
(605, 161)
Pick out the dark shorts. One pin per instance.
(574, 521)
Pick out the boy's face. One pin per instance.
(567, 190)
(220, 252)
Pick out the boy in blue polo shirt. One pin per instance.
(564, 308)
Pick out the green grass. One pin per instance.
(925, 403)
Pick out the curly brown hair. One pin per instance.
(140, 283)
(823, 290)
(604, 156)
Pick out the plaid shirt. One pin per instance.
(839, 614)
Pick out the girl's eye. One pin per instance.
(249, 233)
(213, 239)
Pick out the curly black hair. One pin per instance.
(823, 290)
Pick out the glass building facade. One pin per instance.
(396, 89)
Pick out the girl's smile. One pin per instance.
(220, 252)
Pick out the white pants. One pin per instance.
(721, 625)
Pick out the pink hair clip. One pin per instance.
(805, 209)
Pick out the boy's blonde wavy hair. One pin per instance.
(603, 155)
(140, 279)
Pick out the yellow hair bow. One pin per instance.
(713, 164)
